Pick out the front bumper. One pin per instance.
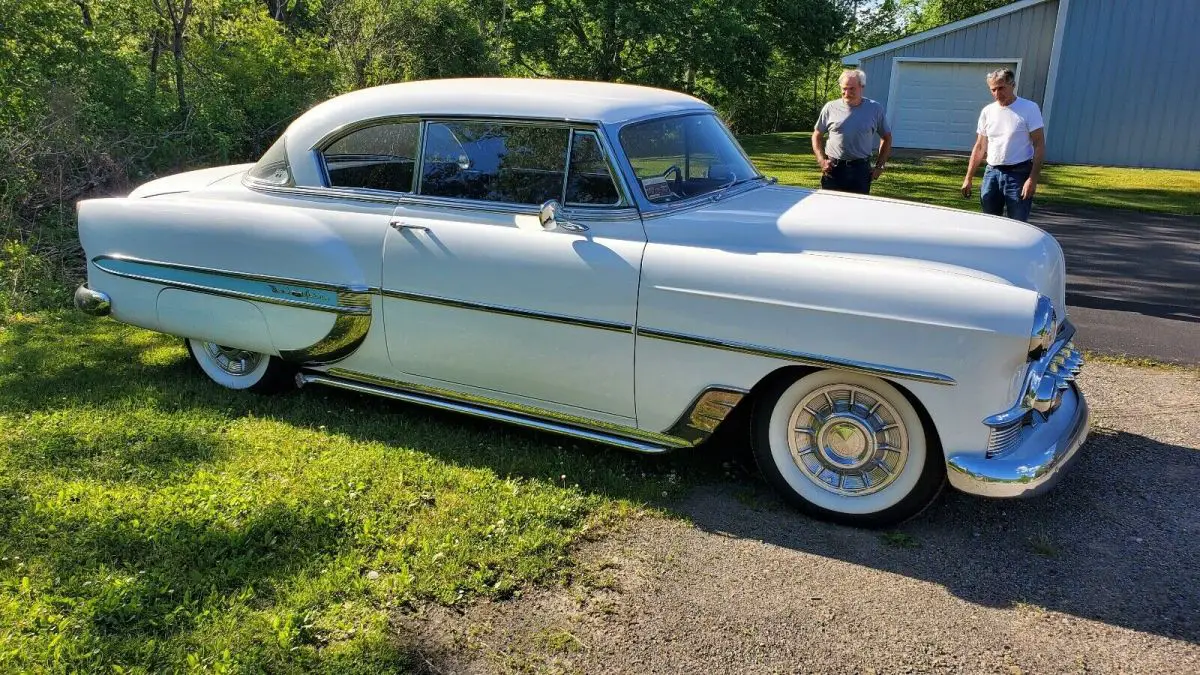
(92, 302)
(1033, 466)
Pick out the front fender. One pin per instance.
(971, 330)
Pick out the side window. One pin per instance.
(273, 166)
(379, 157)
(589, 181)
(508, 163)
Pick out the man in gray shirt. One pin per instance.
(852, 123)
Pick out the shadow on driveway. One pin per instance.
(1116, 541)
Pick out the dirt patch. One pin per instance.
(1100, 575)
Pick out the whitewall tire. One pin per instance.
(846, 447)
(239, 369)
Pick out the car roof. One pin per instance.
(599, 102)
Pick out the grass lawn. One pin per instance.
(936, 179)
(150, 520)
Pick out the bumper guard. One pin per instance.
(92, 302)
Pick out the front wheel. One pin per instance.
(238, 368)
(846, 447)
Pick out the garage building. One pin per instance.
(1118, 81)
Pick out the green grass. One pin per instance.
(150, 520)
(936, 179)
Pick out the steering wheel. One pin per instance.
(677, 188)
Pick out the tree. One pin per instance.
(177, 13)
(922, 15)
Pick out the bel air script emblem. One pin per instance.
(302, 293)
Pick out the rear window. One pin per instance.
(379, 157)
(273, 167)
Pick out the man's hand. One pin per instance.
(876, 172)
(966, 187)
(1029, 188)
(826, 164)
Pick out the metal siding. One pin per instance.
(1026, 34)
(1128, 91)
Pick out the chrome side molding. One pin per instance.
(350, 304)
(694, 426)
(801, 357)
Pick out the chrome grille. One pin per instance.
(1004, 438)
(1045, 381)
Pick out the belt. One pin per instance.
(850, 162)
(1010, 167)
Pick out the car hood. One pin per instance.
(187, 181)
(890, 232)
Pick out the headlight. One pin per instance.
(1045, 327)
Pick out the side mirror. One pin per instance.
(548, 216)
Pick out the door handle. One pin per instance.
(401, 226)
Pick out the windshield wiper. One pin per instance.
(720, 192)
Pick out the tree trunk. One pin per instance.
(177, 12)
(177, 50)
(87, 15)
(155, 51)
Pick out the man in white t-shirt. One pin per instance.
(1012, 137)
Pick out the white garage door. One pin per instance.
(936, 105)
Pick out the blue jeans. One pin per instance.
(1001, 191)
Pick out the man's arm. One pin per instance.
(885, 149)
(1038, 139)
(818, 146)
(978, 152)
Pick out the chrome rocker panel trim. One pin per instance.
(696, 424)
(1033, 466)
(92, 302)
(351, 305)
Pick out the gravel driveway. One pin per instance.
(1100, 575)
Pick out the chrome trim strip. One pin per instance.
(510, 311)
(801, 357)
(92, 302)
(1036, 464)
(351, 305)
(590, 213)
(479, 406)
(706, 413)
(349, 299)
(567, 167)
(467, 204)
(322, 192)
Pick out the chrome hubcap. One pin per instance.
(231, 359)
(848, 440)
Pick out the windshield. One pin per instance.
(680, 157)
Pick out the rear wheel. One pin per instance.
(846, 447)
(236, 368)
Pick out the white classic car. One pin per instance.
(604, 261)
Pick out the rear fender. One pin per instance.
(291, 281)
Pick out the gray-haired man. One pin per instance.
(852, 123)
(1010, 133)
